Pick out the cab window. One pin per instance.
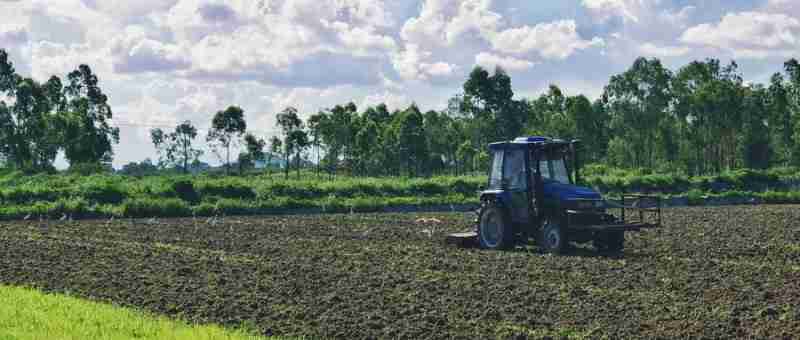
(554, 169)
(496, 173)
(515, 169)
(544, 169)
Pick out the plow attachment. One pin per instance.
(634, 213)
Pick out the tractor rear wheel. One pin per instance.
(553, 238)
(494, 229)
(611, 241)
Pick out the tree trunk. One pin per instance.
(228, 159)
(286, 166)
(185, 160)
(297, 164)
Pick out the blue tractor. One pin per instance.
(532, 195)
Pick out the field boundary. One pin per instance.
(672, 202)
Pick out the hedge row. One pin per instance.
(615, 180)
(174, 207)
(116, 189)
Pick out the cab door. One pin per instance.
(515, 177)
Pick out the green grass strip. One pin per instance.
(30, 314)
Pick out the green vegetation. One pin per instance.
(52, 196)
(30, 314)
(102, 195)
(609, 179)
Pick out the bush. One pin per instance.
(227, 206)
(184, 189)
(29, 194)
(148, 207)
(86, 169)
(102, 190)
(695, 197)
(75, 208)
(227, 188)
(778, 197)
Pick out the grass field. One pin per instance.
(28, 314)
(716, 273)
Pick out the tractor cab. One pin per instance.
(532, 192)
(532, 175)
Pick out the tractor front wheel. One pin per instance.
(553, 238)
(494, 229)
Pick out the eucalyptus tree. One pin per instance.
(295, 139)
(227, 127)
(638, 101)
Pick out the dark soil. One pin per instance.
(723, 272)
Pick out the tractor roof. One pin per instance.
(529, 142)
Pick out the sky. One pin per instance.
(165, 61)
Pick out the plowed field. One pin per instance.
(709, 273)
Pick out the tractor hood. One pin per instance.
(569, 191)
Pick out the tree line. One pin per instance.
(700, 119)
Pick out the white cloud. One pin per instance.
(640, 13)
(283, 41)
(749, 35)
(48, 58)
(411, 64)
(446, 33)
(13, 14)
(129, 9)
(788, 7)
(490, 61)
(362, 41)
(645, 27)
(556, 40)
(443, 22)
(604, 10)
(299, 98)
(393, 101)
(13, 35)
(652, 50)
(70, 22)
(134, 52)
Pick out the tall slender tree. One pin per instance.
(227, 128)
(291, 126)
(275, 148)
(176, 148)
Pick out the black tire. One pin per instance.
(494, 229)
(611, 241)
(553, 238)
